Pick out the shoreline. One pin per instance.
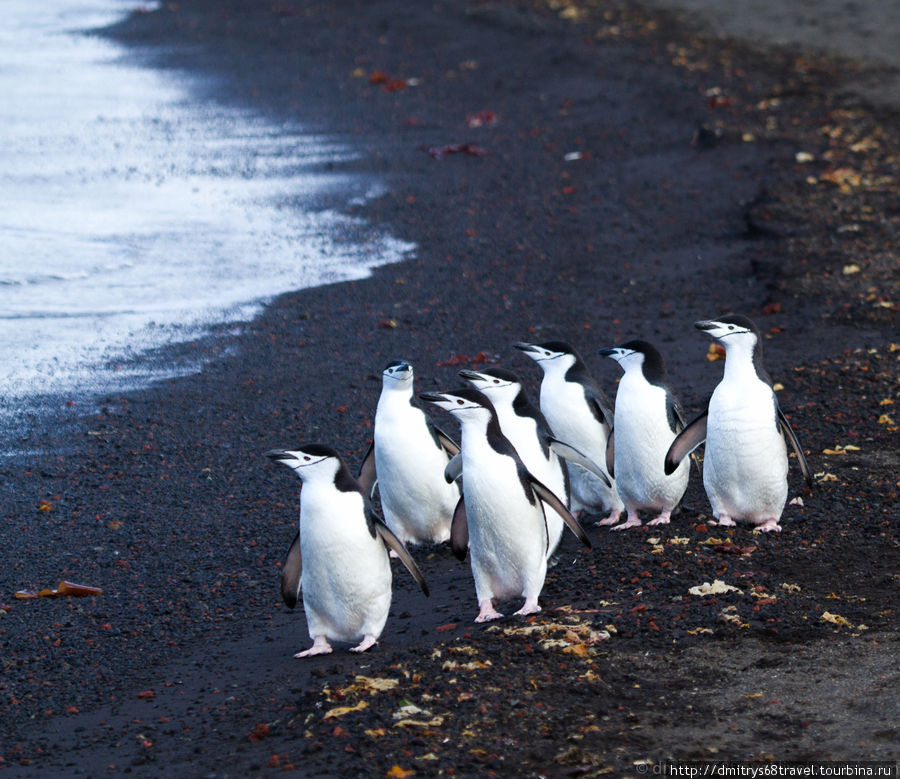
(167, 500)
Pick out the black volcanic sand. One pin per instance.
(688, 200)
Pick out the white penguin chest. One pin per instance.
(642, 425)
(570, 418)
(742, 418)
(333, 530)
(402, 438)
(522, 434)
(745, 463)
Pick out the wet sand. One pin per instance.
(638, 178)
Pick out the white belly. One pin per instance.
(642, 438)
(346, 579)
(564, 407)
(745, 463)
(507, 535)
(522, 433)
(416, 500)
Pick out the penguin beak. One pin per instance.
(470, 375)
(706, 324)
(432, 397)
(608, 352)
(524, 347)
(280, 456)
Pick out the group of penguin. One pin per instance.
(522, 474)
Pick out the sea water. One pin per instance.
(134, 214)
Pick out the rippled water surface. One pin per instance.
(133, 215)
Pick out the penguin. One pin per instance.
(648, 417)
(580, 414)
(527, 430)
(407, 459)
(502, 518)
(339, 560)
(745, 461)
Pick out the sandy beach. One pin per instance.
(592, 172)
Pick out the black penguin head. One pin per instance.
(554, 357)
(639, 355)
(494, 381)
(309, 460)
(549, 350)
(464, 402)
(397, 372)
(739, 335)
(729, 326)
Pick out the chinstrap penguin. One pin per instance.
(527, 429)
(502, 519)
(407, 461)
(648, 416)
(339, 561)
(745, 461)
(580, 414)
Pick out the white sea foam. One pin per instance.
(133, 215)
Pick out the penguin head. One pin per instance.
(741, 339)
(496, 383)
(310, 461)
(638, 356)
(397, 374)
(465, 403)
(552, 356)
(731, 329)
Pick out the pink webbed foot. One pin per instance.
(662, 519)
(611, 519)
(487, 612)
(769, 526)
(723, 520)
(320, 647)
(632, 521)
(368, 641)
(530, 607)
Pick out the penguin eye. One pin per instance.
(496, 381)
(307, 458)
(731, 327)
(459, 401)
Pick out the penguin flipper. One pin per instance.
(611, 453)
(550, 498)
(686, 441)
(367, 476)
(391, 540)
(602, 410)
(453, 469)
(791, 436)
(443, 440)
(290, 573)
(572, 454)
(459, 531)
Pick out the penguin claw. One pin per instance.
(530, 607)
(367, 642)
(320, 647)
(662, 519)
(724, 522)
(610, 520)
(488, 613)
(627, 525)
(769, 526)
